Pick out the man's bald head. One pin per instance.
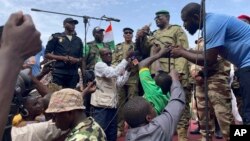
(102, 51)
(106, 55)
(191, 16)
(191, 9)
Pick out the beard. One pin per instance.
(192, 30)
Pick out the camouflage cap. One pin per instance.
(65, 100)
(165, 12)
(127, 28)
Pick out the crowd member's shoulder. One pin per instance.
(119, 46)
(153, 32)
(77, 37)
(176, 26)
(55, 36)
(91, 43)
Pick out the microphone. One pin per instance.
(111, 19)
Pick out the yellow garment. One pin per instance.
(17, 119)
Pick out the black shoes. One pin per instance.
(218, 134)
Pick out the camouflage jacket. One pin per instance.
(218, 72)
(172, 35)
(87, 130)
(91, 53)
(119, 54)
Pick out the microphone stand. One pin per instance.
(85, 21)
(203, 2)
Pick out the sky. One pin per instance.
(132, 13)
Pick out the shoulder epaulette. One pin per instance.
(92, 42)
(57, 35)
(175, 25)
(118, 44)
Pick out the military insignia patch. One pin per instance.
(61, 39)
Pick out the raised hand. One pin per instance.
(177, 51)
(20, 37)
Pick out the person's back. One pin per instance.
(144, 125)
(233, 35)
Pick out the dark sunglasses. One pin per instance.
(128, 33)
(158, 17)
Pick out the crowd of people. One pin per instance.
(141, 90)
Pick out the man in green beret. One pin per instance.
(168, 35)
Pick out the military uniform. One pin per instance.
(219, 95)
(173, 35)
(130, 89)
(87, 130)
(67, 100)
(91, 53)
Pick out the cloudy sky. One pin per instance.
(132, 13)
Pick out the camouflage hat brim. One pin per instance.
(65, 100)
(57, 110)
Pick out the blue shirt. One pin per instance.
(231, 35)
(36, 66)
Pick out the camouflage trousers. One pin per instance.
(219, 106)
(183, 124)
(125, 93)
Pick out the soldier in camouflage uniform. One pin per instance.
(130, 89)
(91, 57)
(165, 36)
(219, 96)
(91, 51)
(67, 107)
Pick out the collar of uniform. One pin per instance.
(86, 122)
(64, 34)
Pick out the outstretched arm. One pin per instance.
(20, 40)
(198, 57)
(148, 61)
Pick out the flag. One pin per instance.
(109, 37)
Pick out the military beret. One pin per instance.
(162, 12)
(127, 28)
(70, 20)
(244, 17)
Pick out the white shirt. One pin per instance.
(103, 70)
(43, 131)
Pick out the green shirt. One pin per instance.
(86, 49)
(87, 130)
(152, 92)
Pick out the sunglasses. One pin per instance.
(158, 17)
(128, 33)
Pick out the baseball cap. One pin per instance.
(65, 100)
(244, 17)
(70, 20)
(97, 29)
(127, 28)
